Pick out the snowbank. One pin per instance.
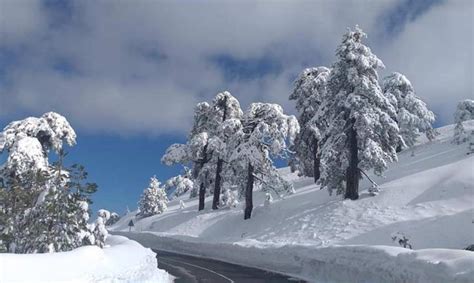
(122, 260)
(361, 263)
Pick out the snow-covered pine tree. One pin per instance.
(104, 213)
(229, 197)
(225, 107)
(464, 112)
(265, 131)
(46, 207)
(195, 152)
(114, 218)
(205, 149)
(99, 231)
(309, 92)
(178, 185)
(413, 116)
(362, 133)
(153, 200)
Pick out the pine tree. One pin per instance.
(309, 93)
(464, 112)
(413, 116)
(225, 107)
(195, 152)
(114, 218)
(178, 185)
(265, 131)
(228, 197)
(43, 207)
(99, 231)
(206, 147)
(153, 200)
(362, 133)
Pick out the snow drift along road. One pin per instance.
(122, 260)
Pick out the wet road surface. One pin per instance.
(193, 269)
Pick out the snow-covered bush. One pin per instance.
(153, 200)
(268, 200)
(99, 231)
(229, 197)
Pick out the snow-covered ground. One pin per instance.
(429, 197)
(122, 260)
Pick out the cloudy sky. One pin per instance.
(128, 73)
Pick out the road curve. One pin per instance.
(193, 269)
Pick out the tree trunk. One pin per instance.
(352, 173)
(217, 187)
(399, 148)
(249, 193)
(202, 196)
(202, 189)
(316, 160)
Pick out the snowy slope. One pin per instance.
(429, 197)
(121, 261)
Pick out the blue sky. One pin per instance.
(127, 74)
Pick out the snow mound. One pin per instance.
(122, 260)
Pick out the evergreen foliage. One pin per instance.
(362, 132)
(153, 200)
(464, 112)
(412, 114)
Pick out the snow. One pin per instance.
(122, 260)
(429, 197)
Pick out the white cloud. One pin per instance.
(436, 53)
(113, 87)
(19, 19)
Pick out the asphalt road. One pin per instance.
(193, 269)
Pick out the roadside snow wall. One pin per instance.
(358, 263)
(122, 260)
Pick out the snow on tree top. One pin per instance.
(26, 153)
(50, 130)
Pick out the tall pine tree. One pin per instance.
(309, 93)
(265, 131)
(205, 149)
(362, 133)
(225, 107)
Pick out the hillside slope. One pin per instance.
(429, 197)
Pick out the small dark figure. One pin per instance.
(130, 225)
(402, 240)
